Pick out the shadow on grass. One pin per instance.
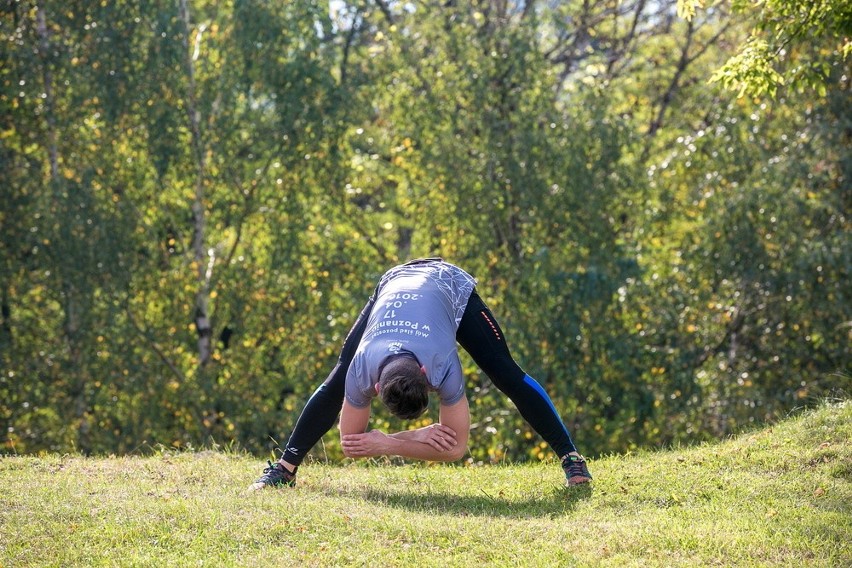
(558, 502)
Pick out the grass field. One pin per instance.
(780, 496)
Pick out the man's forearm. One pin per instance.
(443, 441)
(399, 444)
(407, 434)
(438, 444)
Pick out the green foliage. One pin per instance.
(686, 9)
(751, 70)
(794, 42)
(669, 261)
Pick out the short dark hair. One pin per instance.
(403, 387)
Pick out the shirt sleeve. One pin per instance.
(359, 388)
(452, 387)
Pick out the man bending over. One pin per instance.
(401, 348)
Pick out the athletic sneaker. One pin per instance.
(276, 475)
(575, 470)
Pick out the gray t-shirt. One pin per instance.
(417, 310)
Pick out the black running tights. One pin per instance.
(481, 336)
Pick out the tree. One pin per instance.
(798, 43)
(196, 198)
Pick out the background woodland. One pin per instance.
(197, 197)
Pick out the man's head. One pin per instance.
(403, 387)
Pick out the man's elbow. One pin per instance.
(455, 454)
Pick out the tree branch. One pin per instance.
(674, 84)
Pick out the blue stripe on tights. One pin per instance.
(540, 390)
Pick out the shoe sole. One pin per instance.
(259, 486)
(578, 480)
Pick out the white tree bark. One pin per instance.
(204, 261)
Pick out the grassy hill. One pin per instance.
(779, 496)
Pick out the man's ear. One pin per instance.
(378, 388)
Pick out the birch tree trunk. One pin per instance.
(204, 260)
